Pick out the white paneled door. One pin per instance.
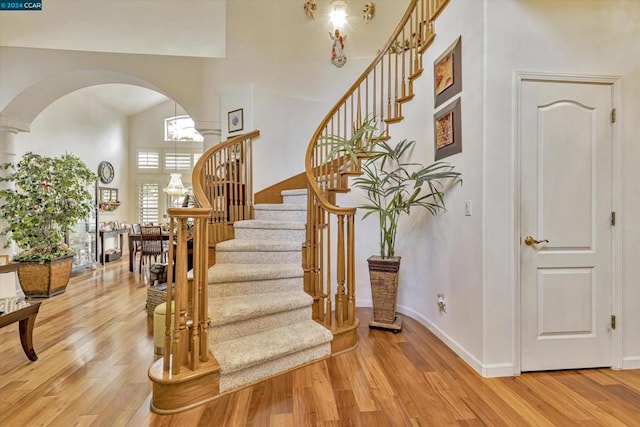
(565, 224)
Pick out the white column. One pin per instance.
(7, 155)
(210, 131)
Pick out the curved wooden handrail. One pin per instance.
(437, 8)
(198, 170)
(376, 96)
(222, 172)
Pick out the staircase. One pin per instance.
(260, 316)
(273, 286)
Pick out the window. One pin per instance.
(175, 161)
(196, 157)
(148, 198)
(181, 128)
(148, 160)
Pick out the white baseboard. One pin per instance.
(631, 362)
(487, 370)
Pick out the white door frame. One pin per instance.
(616, 180)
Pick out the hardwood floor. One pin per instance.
(94, 350)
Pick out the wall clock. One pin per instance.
(105, 172)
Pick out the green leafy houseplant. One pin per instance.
(50, 196)
(393, 185)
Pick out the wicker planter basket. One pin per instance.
(383, 275)
(45, 280)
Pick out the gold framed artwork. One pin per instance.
(236, 120)
(447, 73)
(447, 129)
(4, 260)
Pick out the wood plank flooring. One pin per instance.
(94, 348)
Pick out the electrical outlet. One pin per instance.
(442, 304)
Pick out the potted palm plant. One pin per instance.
(50, 196)
(393, 186)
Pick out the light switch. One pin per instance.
(467, 208)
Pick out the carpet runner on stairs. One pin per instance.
(260, 315)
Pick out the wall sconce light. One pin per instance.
(338, 11)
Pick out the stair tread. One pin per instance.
(225, 310)
(294, 192)
(269, 224)
(252, 350)
(244, 245)
(280, 207)
(224, 273)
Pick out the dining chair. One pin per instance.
(137, 246)
(152, 246)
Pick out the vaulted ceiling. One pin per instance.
(157, 27)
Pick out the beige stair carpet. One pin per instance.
(260, 316)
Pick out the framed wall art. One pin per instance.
(4, 260)
(447, 127)
(236, 120)
(447, 73)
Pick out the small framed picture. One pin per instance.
(4, 260)
(236, 120)
(447, 129)
(447, 73)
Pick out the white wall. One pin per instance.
(105, 26)
(271, 43)
(146, 131)
(472, 260)
(79, 124)
(577, 37)
(286, 124)
(443, 254)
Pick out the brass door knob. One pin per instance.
(529, 240)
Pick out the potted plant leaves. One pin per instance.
(49, 195)
(393, 186)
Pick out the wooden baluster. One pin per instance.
(351, 273)
(340, 273)
(374, 98)
(325, 273)
(168, 312)
(389, 112)
(396, 105)
(194, 355)
(175, 356)
(180, 315)
(416, 56)
(244, 182)
(404, 75)
(201, 247)
(317, 242)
